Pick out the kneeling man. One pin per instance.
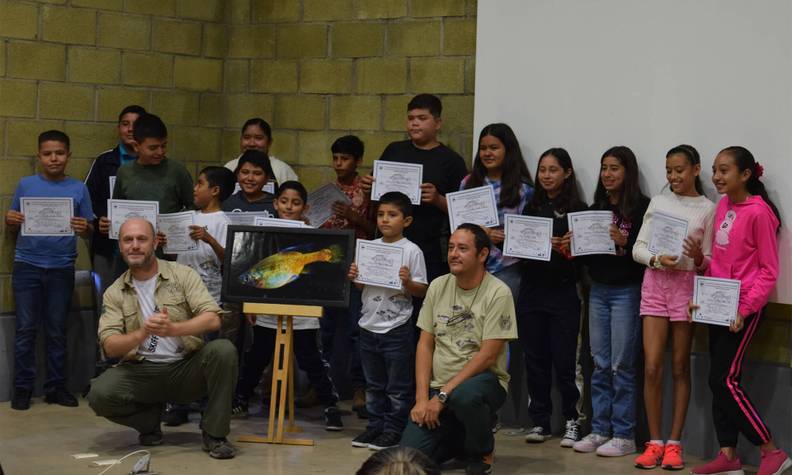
(461, 374)
(153, 318)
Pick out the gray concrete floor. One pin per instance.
(41, 441)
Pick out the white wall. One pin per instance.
(589, 74)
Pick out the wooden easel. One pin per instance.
(282, 392)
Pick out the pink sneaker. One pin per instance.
(720, 466)
(774, 462)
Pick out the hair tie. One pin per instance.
(759, 170)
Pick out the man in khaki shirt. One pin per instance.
(460, 364)
(153, 318)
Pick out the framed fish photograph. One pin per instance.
(298, 266)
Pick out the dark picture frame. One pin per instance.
(299, 266)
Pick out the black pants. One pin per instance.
(732, 411)
(309, 359)
(548, 322)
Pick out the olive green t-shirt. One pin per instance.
(461, 319)
(167, 183)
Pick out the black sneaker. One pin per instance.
(218, 448)
(61, 397)
(332, 417)
(21, 400)
(152, 438)
(366, 438)
(385, 440)
(175, 415)
(239, 407)
(479, 465)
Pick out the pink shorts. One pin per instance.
(666, 293)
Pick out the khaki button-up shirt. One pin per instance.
(179, 289)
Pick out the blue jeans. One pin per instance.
(43, 297)
(613, 333)
(389, 366)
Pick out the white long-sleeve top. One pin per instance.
(699, 212)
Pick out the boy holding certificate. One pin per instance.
(43, 275)
(387, 347)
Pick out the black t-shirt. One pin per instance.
(238, 203)
(443, 168)
(620, 269)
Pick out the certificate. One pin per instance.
(119, 211)
(47, 216)
(528, 237)
(476, 205)
(320, 203)
(112, 181)
(668, 234)
(591, 232)
(278, 223)
(176, 226)
(718, 300)
(397, 176)
(378, 264)
(246, 218)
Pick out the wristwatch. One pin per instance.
(442, 397)
(657, 264)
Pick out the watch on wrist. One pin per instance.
(657, 264)
(442, 397)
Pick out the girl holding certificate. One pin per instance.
(744, 248)
(499, 163)
(613, 309)
(665, 293)
(548, 307)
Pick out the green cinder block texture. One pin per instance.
(439, 75)
(265, 11)
(435, 8)
(18, 20)
(66, 101)
(300, 112)
(69, 25)
(415, 38)
(459, 37)
(381, 75)
(355, 112)
(198, 74)
(147, 69)
(112, 100)
(255, 41)
(302, 41)
(273, 76)
(326, 76)
(99, 66)
(17, 98)
(320, 10)
(152, 7)
(351, 40)
(375, 9)
(124, 31)
(172, 36)
(36, 61)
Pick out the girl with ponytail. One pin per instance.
(744, 247)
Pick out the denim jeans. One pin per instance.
(389, 366)
(43, 297)
(613, 333)
(346, 320)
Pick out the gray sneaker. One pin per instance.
(590, 443)
(616, 447)
(218, 447)
(537, 435)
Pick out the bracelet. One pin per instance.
(657, 264)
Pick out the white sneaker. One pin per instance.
(537, 435)
(571, 435)
(589, 443)
(616, 447)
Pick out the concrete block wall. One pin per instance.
(315, 69)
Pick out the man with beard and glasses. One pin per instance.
(153, 317)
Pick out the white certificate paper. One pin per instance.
(397, 176)
(320, 203)
(119, 211)
(246, 218)
(528, 237)
(591, 232)
(668, 234)
(47, 216)
(718, 300)
(279, 223)
(112, 181)
(476, 205)
(378, 264)
(176, 226)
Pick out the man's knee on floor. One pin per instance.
(103, 396)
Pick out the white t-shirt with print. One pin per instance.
(385, 309)
(204, 260)
(157, 349)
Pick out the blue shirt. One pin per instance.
(124, 155)
(51, 252)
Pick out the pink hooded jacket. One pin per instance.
(744, 247)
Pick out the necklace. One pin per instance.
(466, 313)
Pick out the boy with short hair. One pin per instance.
(43, 275)
(443, 171)
(387, 347)
(214, 184)
(252, 173)
(347, 156)
(103, 250)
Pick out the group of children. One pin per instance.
(381, 322)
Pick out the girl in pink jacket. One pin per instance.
(744, 247)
